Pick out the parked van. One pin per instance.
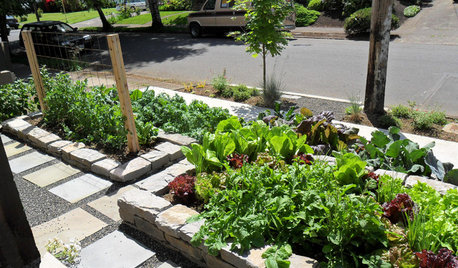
(131, 4)
(218, 16)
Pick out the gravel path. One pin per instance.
(42, 206)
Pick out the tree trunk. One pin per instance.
(156, 16)
(3, 31)
(106, 25)
(374, 99)
(35, 9)
(264, 66)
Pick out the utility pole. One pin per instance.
(374, 100)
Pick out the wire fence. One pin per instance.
(96, 58)
(82, 56)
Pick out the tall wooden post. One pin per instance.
(123, 91)
(34, 68)
(374, 100)
(17, 245)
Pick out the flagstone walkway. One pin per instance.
(63, 202)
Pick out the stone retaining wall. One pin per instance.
(165, 153)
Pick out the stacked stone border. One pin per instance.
(165, 153)
(145, 210)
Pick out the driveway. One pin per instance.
(437, 23)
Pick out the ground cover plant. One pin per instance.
(420, 120)
(411, 11)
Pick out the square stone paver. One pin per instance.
(74, 225)
(80, 188)
(115, 250)
(5, 139)
(108, 204)
(29, 161)
(15, 148)
(51, 174)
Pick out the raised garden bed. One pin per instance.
(243, 199)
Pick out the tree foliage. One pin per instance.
(8, 7)
(263, 33)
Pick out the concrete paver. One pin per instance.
(108, 204)
(5, 139)
(115, 250)
(80, 188)
(49, 261)
(15, 148)
(73, 225)
(29, 161)
(51, 174)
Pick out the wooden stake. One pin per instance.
(123, 91)
(34, 68)
(374, 100)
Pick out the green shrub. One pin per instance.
(360, 22)
(305, 17)
(387, 120)
(241, 93)
(411, 11)
(176, 5)
(220, 82)
(351, 6)
(227, 93)
(17, 99)
(401, 111)
(438, 117)
(315, 5)
(422, 121)
(23, 18)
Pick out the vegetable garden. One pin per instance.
(263, 183)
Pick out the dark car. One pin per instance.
(12, 22)
(56, 38)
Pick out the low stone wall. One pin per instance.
(165, 153)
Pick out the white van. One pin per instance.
(218, 16)
(131, 4)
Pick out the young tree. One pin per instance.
(263, 33)
(155, 14)
(97, 5)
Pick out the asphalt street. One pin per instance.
(424, 73)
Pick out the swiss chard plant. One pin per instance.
(324, 136)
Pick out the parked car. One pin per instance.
(56, 38)
(131, 4)
(218, 16)
(12, 22)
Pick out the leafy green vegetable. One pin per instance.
(17, 99)
(392, 153)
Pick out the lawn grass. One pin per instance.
(145, 18)
(72, 17)
(179, 19)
